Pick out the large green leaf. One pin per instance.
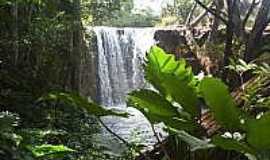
(157, 109)
(258, 132)
(80, 102)
(194, 142)
(151, 102)
(50, 150)
(232, 144)
(220, 102)
(172, 78)
(182, 93)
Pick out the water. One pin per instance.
(119, 61)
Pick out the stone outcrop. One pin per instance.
(87, 68)
(175, 42)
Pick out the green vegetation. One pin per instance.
(45, 113)
(176, 100)
(118, 13)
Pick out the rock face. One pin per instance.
(87, 69)
(175, 42)
(170, 40)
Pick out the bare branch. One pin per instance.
(121, 139)
(250, 10)
(211, 12)
(160, 142)
(187, 23)
(255, 36)
(200, 17)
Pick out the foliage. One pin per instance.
(119, 13)
(193, 142)
(13, 145)
(179, 9)
(165, 74)
(9, 140)
(40, 53)
(220, 102)
(173, 81)
(38, 44)
(63, 124)
(49, 150)
(79, 102)
(255, 96)
(145, 19)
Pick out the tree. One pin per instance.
(235, 16)
(255, 37)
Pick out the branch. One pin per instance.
(251, 8)
(198, 19)
(255, 36)
(159, 141)
(212, 12)
(121, 139)
(187, 23)
(221, 12)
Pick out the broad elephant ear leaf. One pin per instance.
(220, 102)
(232, 144)
(157, 109)
(258, 131)
(194, 142)
(172, 78)
(80, 102)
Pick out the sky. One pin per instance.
(155, 5)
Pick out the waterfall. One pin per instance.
(119, 70)
(119, 61)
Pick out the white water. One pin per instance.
(119, 61)
(120, 57)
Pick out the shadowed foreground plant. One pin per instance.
(177, 101)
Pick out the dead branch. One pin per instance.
(187, 23)
(250, 10)
(255, 36)
(211, 12)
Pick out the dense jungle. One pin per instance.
(134, 80)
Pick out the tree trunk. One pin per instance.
(229, 37)
(77, 43)
(214, 28)
(255, 36)
(237, 21)
(15, 32)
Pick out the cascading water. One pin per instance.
(119, 60)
